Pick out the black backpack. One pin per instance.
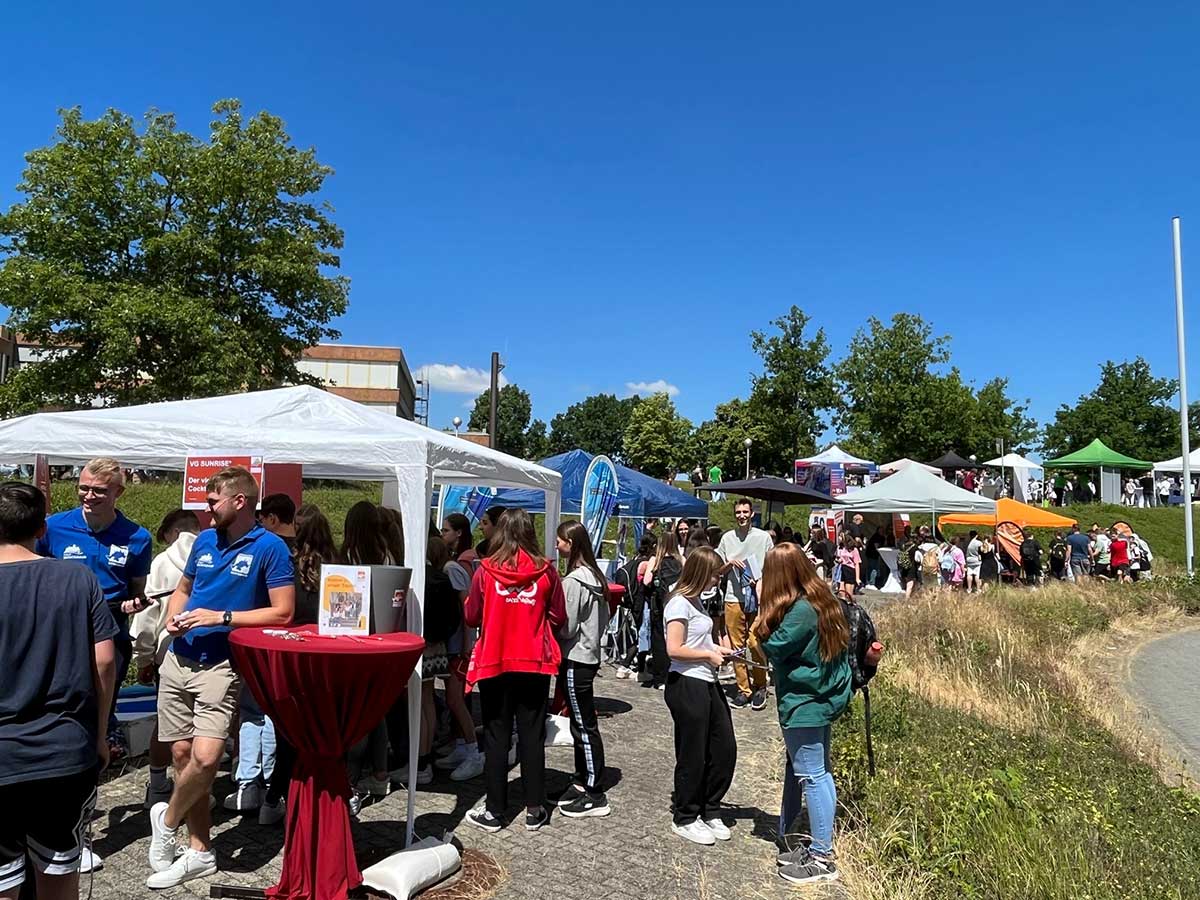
(1031, 551)
(862, 635)
(634, 598)
(1058, 551)
(665, 576)
(443, 608)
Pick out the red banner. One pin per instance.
(200, 467)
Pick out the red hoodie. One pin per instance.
(518, 609)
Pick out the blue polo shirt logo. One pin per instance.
(241, 565)
(118, 556)
(204, 561)
(74, 552)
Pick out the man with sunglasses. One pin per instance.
(238, 575)
(119, 553)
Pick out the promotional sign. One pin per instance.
(460, 498)
(599, 499)
(345, 599)
(814, 476)
(203, 465)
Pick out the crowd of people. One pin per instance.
(501, 623)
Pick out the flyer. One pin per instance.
(345, 599)
(200, 465)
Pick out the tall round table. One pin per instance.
(324, 694)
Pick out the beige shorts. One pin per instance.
(196, 699)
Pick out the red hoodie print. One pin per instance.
(518, 608)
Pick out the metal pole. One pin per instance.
(1183, 401)
(495, 400)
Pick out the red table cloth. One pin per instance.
(324, 694)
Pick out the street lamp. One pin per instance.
(747, 442)
(457, 423)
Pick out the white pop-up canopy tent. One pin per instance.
(903, 463)
(837, 456)
(329, 436)
(1176, 464)
(1012, 461)
(913, 490)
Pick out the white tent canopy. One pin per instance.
(903, 463)
(1013, 461)
(329, 436)
(913, 490)
(837, 456)
(1176, 464)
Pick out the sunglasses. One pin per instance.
(85, 489)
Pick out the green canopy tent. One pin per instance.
(1098, 455)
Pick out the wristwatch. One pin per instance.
(227, 618)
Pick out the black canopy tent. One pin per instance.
(952, 460)
(771, 489)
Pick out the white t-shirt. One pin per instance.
(756, 544)
(699, 636)
(974, 549)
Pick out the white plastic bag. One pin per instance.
(425, 863)
(558, 732)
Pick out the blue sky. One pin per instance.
(615, 194)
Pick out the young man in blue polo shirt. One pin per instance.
(119, 553)
(238, 575)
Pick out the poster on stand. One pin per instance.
(202, 465)
(345, 600)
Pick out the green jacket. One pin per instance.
(810, 692)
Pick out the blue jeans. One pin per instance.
(256, 743)
(808, 764)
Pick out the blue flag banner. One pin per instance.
(599, 499)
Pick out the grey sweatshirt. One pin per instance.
(587, 617)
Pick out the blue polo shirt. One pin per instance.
(120, 553)
(234, 576)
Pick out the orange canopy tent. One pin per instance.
(1010, 511)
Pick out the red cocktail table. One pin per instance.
(324, 694)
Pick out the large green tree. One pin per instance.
(154, 265)
(793, 392)
(513, 411)
(721, 439)
(996, 416)
(596, 424)
(657, 440)
(1130, 410)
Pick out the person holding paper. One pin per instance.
(743, 550)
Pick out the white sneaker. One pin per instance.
(272, 813)
(719, 829)
(470, 767)
(192, 864)
(400, 776)
(162, 840)
(247, 798)
(696, 832)
(624, 672)
(376, 787)
(452, 759)
(89, 861)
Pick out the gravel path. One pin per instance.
(1165, 676)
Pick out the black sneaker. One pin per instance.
(787, 858)
(570, 795)
(481, 818)
(534, 821)
(810, 871)
(739, 701)
(586, 805)
(758, 700)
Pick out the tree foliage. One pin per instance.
(158, 266)
(1130, 410)
(537, 441)
(513, 410)
(793, 392)
(721, 439)
(657, 440)
(596, 424)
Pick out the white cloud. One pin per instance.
(647, 388)
(455, 379)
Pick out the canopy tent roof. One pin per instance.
(329, 436)
(837, 456)
(776, 490)
(637, 494)
(1013, 461)
(913, 490)
(952, 460)
(1008, 510)
(1097, 455)
(903, 463)
(1176, 464)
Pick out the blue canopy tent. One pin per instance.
(638, 496)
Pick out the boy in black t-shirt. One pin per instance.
(56, 639)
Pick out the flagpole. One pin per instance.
(1183, 401)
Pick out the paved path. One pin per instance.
(628, 856)
(1165, 675)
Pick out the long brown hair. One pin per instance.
(463, 540)
(514, 533)
(667, 546)
(575, 534)
(788, 576)
(314, 546)
(363, 540)
(699, 570)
